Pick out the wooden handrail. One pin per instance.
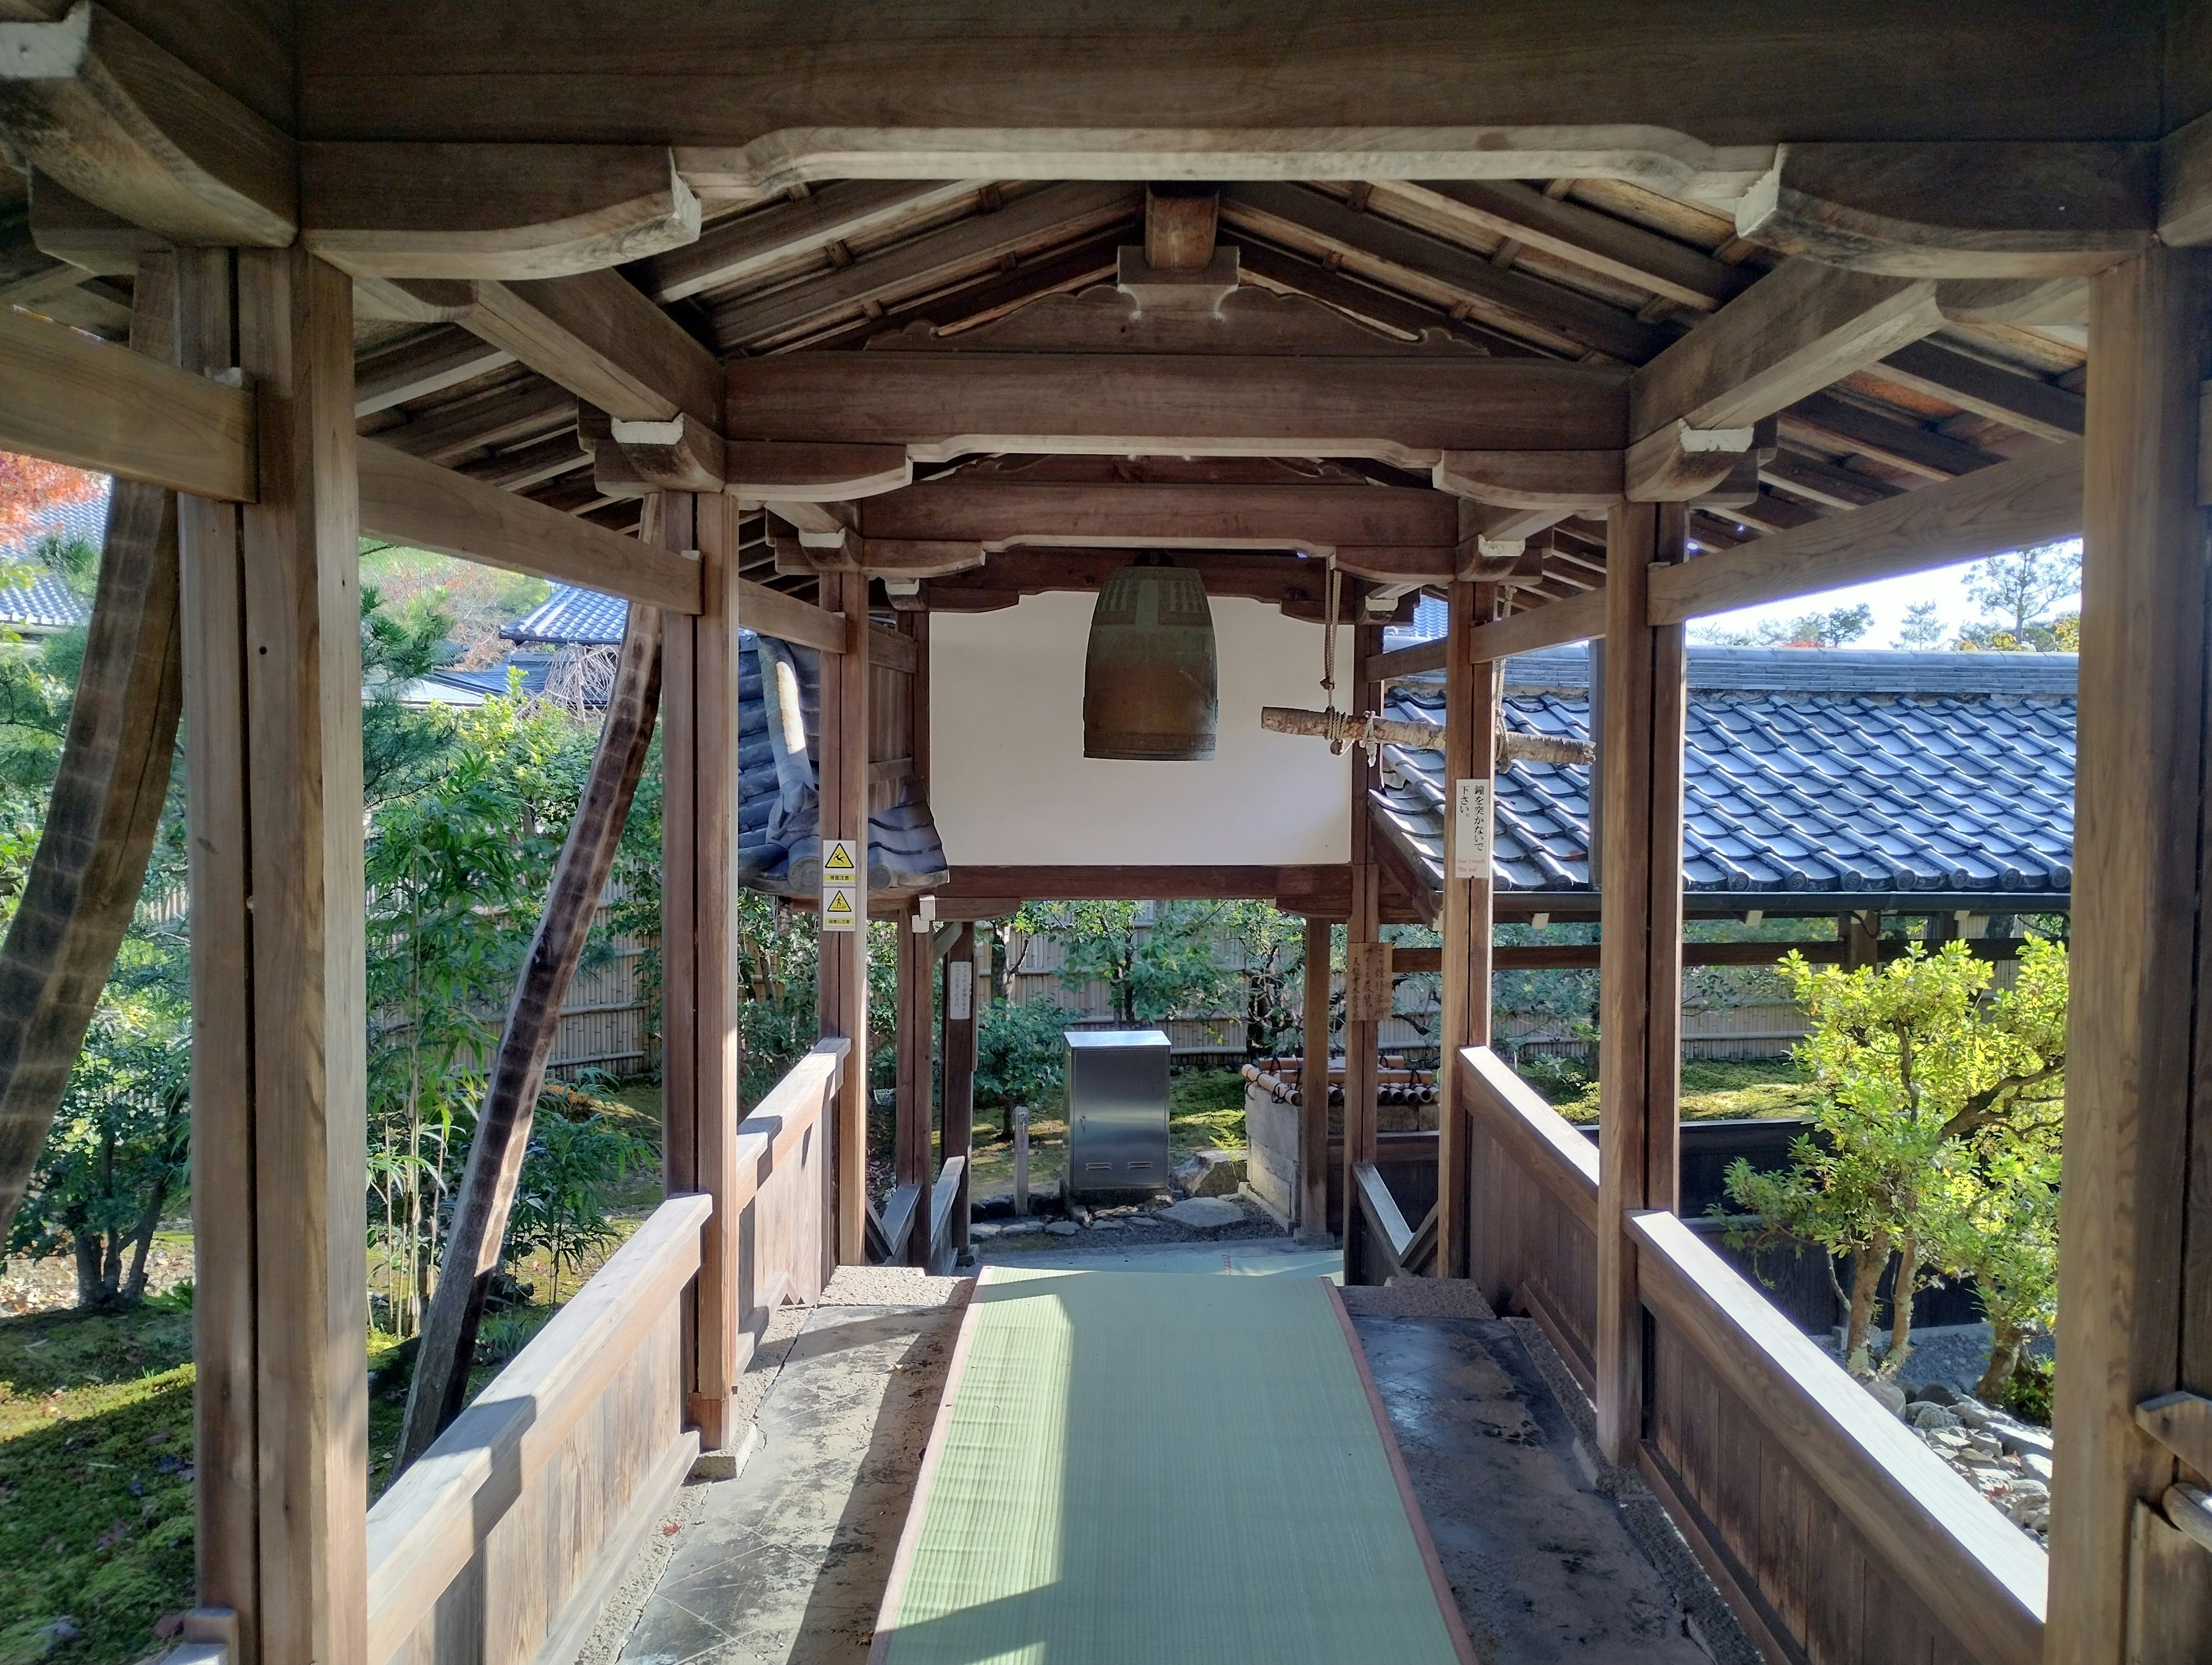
(793, 1106)
(1541, 1138)
(896, 1223)
(942, 1196)
(1382, 1213)
(424, 1530)
(1931, 1529)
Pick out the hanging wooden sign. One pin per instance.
(1471, 809)
(1366, 982)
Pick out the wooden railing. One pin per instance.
(503, 1541)
(1837, 1537)
(1844, 1537)
(501, 1545)
(1531, 1247)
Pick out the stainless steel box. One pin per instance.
(1117, 1109)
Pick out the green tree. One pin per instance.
(1930, 1084)
(1157, 959)
(567, 1186)
(1838, 627)
(1922, 627)
(1019, 1054)
(2017, 590)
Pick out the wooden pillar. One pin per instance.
(1313, 1088)
(699, 975)
(841, 997)
(960, 998)
(1470, 761)
(1862, 936)
(915, 1052)
(272, 667)
(2135, 1219)
(1366, 978)
(1640, 952)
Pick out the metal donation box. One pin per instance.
(1117, 1109)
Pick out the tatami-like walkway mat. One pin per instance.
(1167, 1470)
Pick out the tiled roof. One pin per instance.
(572, 614)
(779, 815)
(1808, 774)
(47, 603)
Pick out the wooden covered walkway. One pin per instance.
(893, 334)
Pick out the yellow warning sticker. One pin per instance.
(842, 907)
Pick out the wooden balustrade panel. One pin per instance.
(1823, 1594)
(1529, 1248)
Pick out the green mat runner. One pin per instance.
(1134, 1468)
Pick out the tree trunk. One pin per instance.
(142, 1244)
(1866, 1276)
(473, 1243)
(2006, 1342)
(1900, 1307)
(89, 1258)
(114, 776)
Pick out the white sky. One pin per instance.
(1946, 588)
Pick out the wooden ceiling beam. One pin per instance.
(92, 405)
(1039, 89)
(2184, 180)
(1282, 209)
(1823, 419)
(969, 509)
(2035, 498)
(1287, 269)
(600, 338)
(446, 357)
(1800, 327)
(1403, 409)
(1825, 483)
(1961, 210)
(981, 297)
(1180, 224)
(491, 211)
(425, 507)
(764, 241)
(1298, 586)
(1583, 237)
(506, 417)
(1057, 213)
(531, 465)
(124, 125)
(2027, 403)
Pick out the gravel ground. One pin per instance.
(50, 1285)
(1122, 1227)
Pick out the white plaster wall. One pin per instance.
(1010, 785)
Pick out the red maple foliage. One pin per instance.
(30, 486)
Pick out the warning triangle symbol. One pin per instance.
(841, 905)
(839, 860)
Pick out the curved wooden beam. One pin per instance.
(481, 1208)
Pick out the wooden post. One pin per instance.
(1861, 935)
(1366, 982)
(841, 999)
(1640, 952)
(1313, 1088)
(958, 1137)
(1470, 760)
(700, 663)
(915, 1053)
(2136, 1265)
(272, 665)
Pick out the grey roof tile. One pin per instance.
(1806, 773)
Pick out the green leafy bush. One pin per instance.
(1020, 1053)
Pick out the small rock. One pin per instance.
(1972, 1411)
(1936, 1392)
(2036, 1465)
(1986, 1443)
(1062, 1228)
(1206, 1214)
(1891, 1396)
(1211, 1174)
(1927, 1415)
(1107, 1225)
(1143, 1219)
(1021, 1227)
(978, 1232)
(53, 1636)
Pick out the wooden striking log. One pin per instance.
(1512, 747)
(518, 1073)
(114, 776)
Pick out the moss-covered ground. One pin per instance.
(1713, 1090)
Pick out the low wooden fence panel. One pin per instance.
(1531, 1245)
(502, 1545)
(502, 1542)
(1845, 1538)
(1838, 1536)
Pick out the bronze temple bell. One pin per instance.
(1150, 690)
